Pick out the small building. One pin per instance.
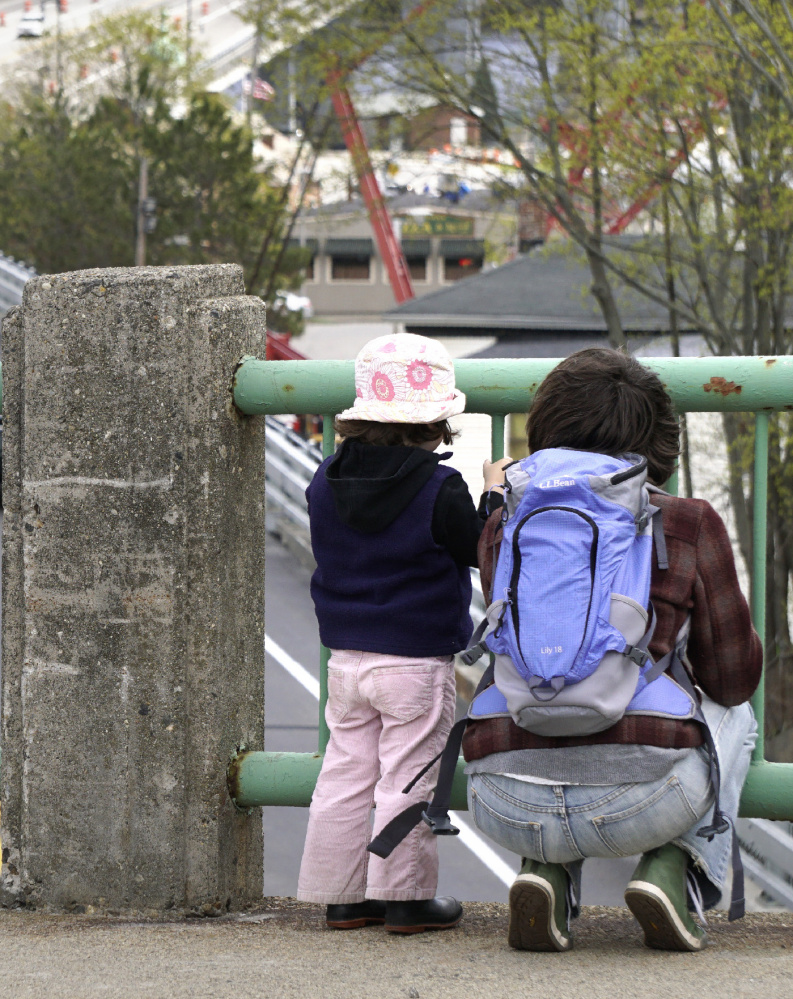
(538, 305)
(444, 239)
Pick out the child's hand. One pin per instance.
(493, 472)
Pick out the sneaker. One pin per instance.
(423, 914)
(538, 908)
(354, 915)
(658, 897)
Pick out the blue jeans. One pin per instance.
(565, 823)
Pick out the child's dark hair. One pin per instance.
(604, 400)
(390, 434)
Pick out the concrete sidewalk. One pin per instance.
(284, 951)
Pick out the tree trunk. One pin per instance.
(602, 290)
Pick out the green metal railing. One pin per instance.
(759, 385)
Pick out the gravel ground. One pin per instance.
(284, 950)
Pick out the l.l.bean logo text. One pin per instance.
(555, 483)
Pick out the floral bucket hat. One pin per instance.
(404, 378)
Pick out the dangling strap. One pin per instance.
(476, 647)
(490, 622)
(392, 834)
(720, 823)
(737, 901)
(435, 813)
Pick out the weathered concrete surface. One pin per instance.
(285, 952)
(133, 600)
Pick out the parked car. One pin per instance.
(293, 302)
(31, 25)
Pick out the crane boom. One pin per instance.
(387, 243)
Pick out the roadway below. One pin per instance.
(212, 32)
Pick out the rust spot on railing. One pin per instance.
(722, 386)
(770, 361)
(288, 388)
(233, 774)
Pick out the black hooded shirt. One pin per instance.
(372, 484)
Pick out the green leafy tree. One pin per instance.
(70, 162)
(66, 190)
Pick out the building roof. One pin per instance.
(548, 289)
(474, 201)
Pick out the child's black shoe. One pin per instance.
(423, 914)
(354, 915)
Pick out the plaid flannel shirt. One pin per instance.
(723, 648)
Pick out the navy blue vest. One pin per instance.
(394, 591)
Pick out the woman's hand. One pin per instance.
(493, 472)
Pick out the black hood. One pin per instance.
(372, 484)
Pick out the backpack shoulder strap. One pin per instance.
(659, 539)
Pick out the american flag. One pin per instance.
(262, 90)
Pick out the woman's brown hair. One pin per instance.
(604, 400)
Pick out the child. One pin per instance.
(394, 533)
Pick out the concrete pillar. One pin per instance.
(133, 591)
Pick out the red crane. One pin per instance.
(388, 245)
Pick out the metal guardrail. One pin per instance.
(13, 278)
(767, 850)
(289, 467)
(498, 387)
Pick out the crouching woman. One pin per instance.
(642, 786)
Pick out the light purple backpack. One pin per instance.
(571, 620)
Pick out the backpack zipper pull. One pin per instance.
(503, 611)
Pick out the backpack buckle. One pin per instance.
(718, 826)
(636, 655)
(473, 654)
(441, 825)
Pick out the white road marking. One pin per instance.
(469, 837)
(292, 667)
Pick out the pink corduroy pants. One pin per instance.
(388, 716)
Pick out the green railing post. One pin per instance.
(497, 436)
(759, 554)
(323, 734)
(328, 435)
